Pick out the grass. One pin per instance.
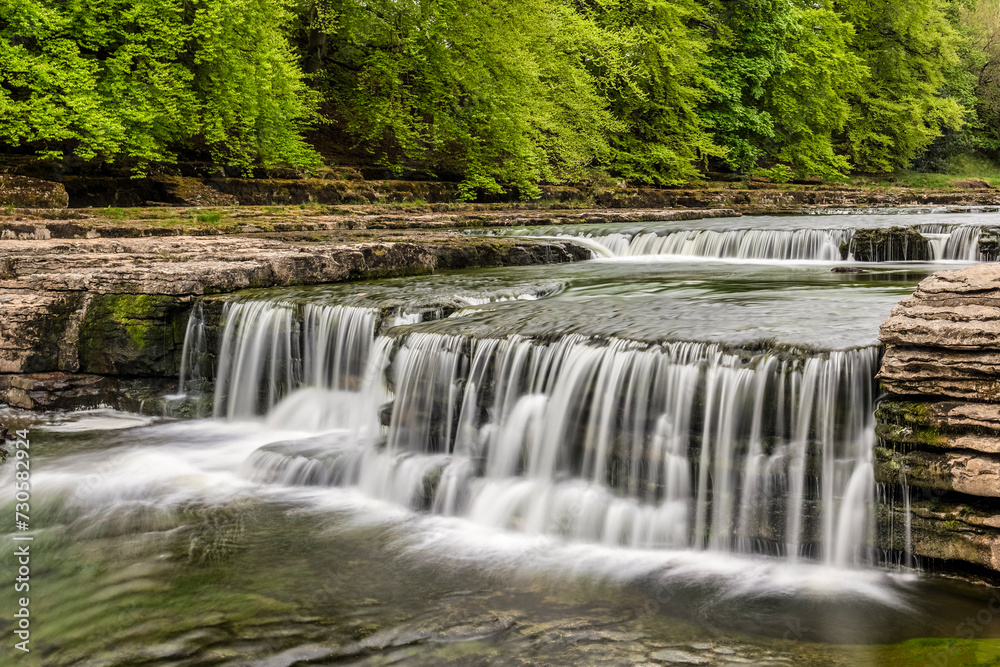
(115, 213)
(208, 218)
(961, 168)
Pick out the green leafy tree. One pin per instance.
(807, 100)
(976, 84)
(909, 47)
(778, 84)
(746, 55)
(141, 79)
(652, 73)
(498, 94)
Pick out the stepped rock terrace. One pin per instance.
(655, 427)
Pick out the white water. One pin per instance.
(803, 244)
(609, 442)
(947, 242)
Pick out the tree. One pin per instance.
(497, 93)
(980, 62)
(909, 47)
(746, 55)
(807, 100)
(141, 79)
(653, 76)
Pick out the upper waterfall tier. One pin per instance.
(883, 238)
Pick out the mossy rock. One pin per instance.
(989, 244)
(25, 192)
(893, 244)
(910, 424)
(133, 334)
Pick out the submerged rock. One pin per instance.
(676, 657)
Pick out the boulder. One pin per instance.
(25, 192)
(887, 245)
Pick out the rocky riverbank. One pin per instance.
(939, 421)
(33, 184)
(82, 320)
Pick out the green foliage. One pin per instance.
(142, 79)
(780, 173)
(808, 101)
(980, 67)
(209, 217)
(114, 213)
(909, 47)
(653, 78)
(747, 54)
(496, 93)
(509, 95)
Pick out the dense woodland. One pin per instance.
(507, 93)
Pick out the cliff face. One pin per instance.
(939, 424)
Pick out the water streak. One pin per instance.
(679, 445)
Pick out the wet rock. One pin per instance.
(963, 472)
(989, 244)
(939, 430)
(676, 657)
(25, 192)
(55, 391)
(385, 414)
(939, 426)
(887, 245)
(133, 334)
(468, 253)
(947, 531)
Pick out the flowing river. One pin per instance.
(660, 456)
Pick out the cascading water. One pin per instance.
(946, 242)
(478, 466)
(804, 244)
(951, 242)
(678, 445)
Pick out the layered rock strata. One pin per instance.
(34, 224)
(939, 421)
(119, 308)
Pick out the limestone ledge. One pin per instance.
(938, 423)
(944, 340)
(943, 530)
(35, 224)
(959, 471)
(118, 307)
(76, 391)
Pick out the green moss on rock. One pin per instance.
(908, 423)
(891, 244)
(133, 334)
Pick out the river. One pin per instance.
(659, 456)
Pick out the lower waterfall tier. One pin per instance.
(624, 443)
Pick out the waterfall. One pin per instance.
(270, 349)
(963, 244)
(800, 244)
(675, 445)
(947, 242)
